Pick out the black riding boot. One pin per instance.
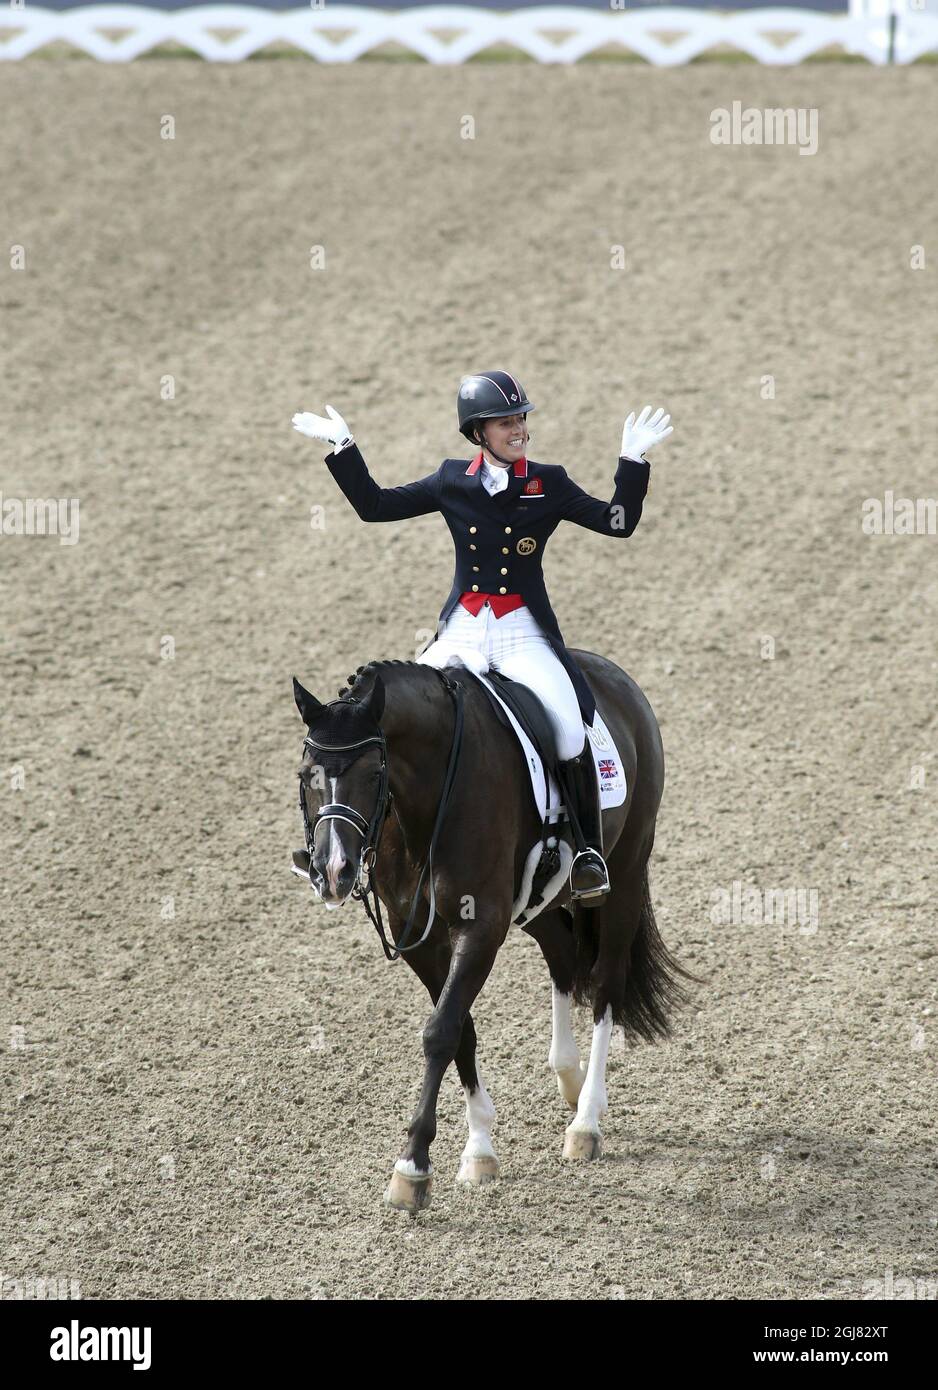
(588, 875)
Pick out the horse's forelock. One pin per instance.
(342, 723)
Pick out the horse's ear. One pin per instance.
(308, 706)
(373, 702)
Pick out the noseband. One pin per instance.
(370, 830)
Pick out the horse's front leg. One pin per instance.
(474, 949)
(430, 963)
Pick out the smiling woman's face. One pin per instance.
(507, 435)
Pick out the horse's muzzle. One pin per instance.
(302, 866)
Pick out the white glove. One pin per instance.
(639, 435)
(332, 431)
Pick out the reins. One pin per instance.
(370, 831)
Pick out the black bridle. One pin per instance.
(370, 830)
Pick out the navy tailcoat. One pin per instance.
(500, 539)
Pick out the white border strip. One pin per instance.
(771, 36)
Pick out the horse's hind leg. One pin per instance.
(583, 1137)
(478, 1164)
(618, 919)
(564, 1055)
(555, 938)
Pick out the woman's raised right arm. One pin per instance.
(345, 463)
(374, 503)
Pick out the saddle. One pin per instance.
(520, 711)
(529, 712)
(547, 863)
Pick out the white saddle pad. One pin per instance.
(606, 760)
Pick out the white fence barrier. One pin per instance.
(452, 33)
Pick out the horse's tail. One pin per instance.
(644, 987)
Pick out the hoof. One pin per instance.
(570, 1083)
(582, 1144)
(408, 1194)
(476, 1171)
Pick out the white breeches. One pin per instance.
(515, 645)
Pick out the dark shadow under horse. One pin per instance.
(377, 765)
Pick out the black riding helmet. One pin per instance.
(486, 396)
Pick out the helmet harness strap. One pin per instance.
(486, 445)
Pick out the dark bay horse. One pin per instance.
(392, 730)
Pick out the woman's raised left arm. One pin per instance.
(620, 516)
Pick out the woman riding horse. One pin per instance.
(501, 509)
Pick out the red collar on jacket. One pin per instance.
(520, 466)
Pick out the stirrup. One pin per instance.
(601, 889)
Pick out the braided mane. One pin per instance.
(358, 682)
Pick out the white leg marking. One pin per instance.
(409, 1169)
(479, 1163)
(563, 1049)
(593, 1103)
(480, 1117)
(564, 1057)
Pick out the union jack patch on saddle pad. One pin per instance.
(607, 768)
